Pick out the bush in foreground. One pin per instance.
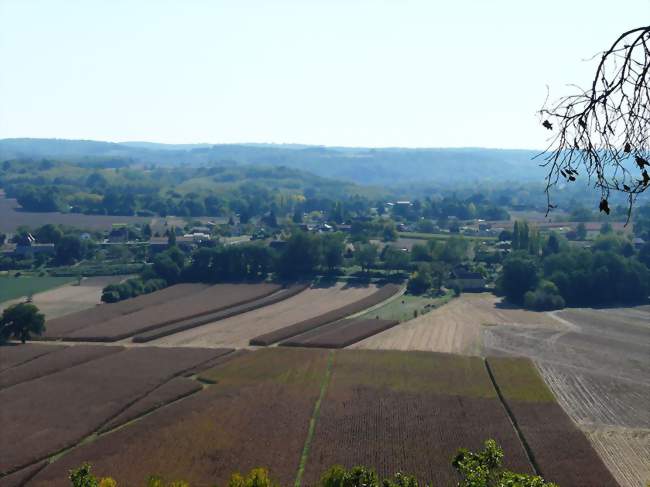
(480, 469)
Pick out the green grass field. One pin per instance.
(15, 287)
(403, 308)
(519, 380)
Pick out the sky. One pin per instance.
(376, 73)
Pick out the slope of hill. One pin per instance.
(387, 166)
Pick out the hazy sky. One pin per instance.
(334, 72)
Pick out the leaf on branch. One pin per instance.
(547, 124)
(626, 187)
(582, 123)
(641, 162)
(604, 206)
(628, 148)
(646, 178)
(572, 178)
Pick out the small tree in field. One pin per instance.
(20, 321)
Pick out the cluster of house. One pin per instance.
(27, 247)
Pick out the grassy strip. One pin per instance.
(513, 420)
(312, 421)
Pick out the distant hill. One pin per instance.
(387, 166)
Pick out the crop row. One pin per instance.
(211, 300)
(62, 326)
(340, 334)
(53, 412)
(337, 314)
(219, 315)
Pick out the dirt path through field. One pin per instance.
(455, 327)
(69, 298)
(236, 332)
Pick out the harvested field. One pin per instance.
(560, 451)
(454, 327)
(60, 327)
(625, 452)
(257, 414)
(598, 365)
(340, 333)
(175, 389)
(180, 326)
(214, 298)
(13, 355)
(408, 412)
(71, 297)
(237, 331)
(375, 298)
(51, 413)
(60, 359)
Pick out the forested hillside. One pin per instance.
(387, 167)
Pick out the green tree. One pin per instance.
(332, 248)
(69, 249)
(365, 256)
(421, 280)
(518, 276)
(389, 233)
(395, 258)
(581, 231)
(485, 469)
(20, 321)
(48, 234)
(606, 228)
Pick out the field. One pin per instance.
(597, 364)
(46, 415)
(212, 299)
(380, 295)
(12, 216)
(408, 412)
(453, 328)
(70, 298)
(188, 324)
(139, 411)
(57, 328)
(340, 333)
(17, 287)
(237, 331)
(257, 414)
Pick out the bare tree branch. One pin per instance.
(604, 130)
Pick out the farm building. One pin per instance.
(467, 280)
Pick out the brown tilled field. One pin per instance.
(381, 294)
(340, 334)
(257, 414)
(597, 364)
(212, 299)
(70, 298)
(454, 327)
(45, 415)
(238, 330)
(61, 327)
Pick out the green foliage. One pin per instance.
(20, 321)
(421, 280)
(485, 469)
(518, 276)
(365, 255)
(130, 289)
(545, 297)
(258, 477)
(82, 477)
